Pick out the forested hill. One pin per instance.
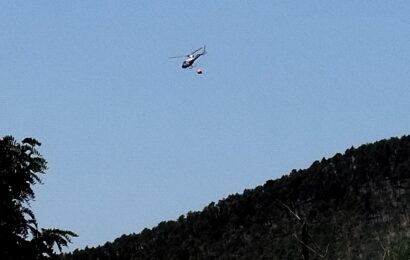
(355, 205)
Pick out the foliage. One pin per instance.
(20, 236)
(338, 208)
(398, 250)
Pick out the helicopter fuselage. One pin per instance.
(188, 63)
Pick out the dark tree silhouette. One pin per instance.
(20, 237)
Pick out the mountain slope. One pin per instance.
(347, 207)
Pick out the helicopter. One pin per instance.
(191, 58)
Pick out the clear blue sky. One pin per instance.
(132, 139)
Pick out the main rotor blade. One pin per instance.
(187, 55)
(173, 57)
(196, 50)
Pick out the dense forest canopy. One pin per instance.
(351, 206)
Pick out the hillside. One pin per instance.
(350, 206)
